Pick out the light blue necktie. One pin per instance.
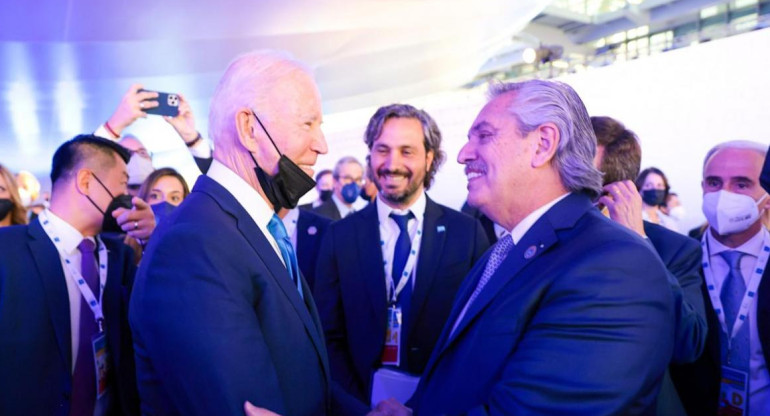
(733, 290)
(278, 231)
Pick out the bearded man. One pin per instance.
(387, 274)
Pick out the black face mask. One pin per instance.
(109, 223)
(325, 195)
(290, 183)
(654, 197)
(6, 205)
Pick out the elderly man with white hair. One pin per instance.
(220, 313)
(568, 314)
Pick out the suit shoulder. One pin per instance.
(11, 236)
(314, 218)
(663, 238)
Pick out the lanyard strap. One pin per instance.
(751, 288)
(74, 273)
(394, 291)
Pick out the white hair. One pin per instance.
(247, 83)
(737, 144)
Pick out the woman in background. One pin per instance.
(654, 188)
(12, 211)
(164, 190)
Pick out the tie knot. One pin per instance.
(733, 258)
(402, 220)
(87, 246)
(276, 228)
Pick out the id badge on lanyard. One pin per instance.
(734, 384)
(101, 363)
(391, 353)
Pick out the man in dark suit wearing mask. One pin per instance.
(65, 347)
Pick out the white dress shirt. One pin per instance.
(516, 235)
(201, 149)
(70, 239)
(759, 379)
(524, 225)
(247, 197)
(389, 232)
(342, 207)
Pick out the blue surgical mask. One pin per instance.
(350, 192)
(161, 211)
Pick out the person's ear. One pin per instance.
(83, 181)
(247, 129)
(547, 141)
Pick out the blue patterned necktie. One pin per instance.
(499, 252)
(731, 295)
(400, 256)
(84, 376)
(278, 231)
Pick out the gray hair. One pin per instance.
(538, 102)
(344, 161)
(429, 130)
(247, 83)
(736, 144)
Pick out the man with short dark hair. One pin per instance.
(570, 314)
(618, 156)
(348, 181)
(65, 346)
(387, 275)
(324, 186)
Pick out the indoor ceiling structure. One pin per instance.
(66, 64)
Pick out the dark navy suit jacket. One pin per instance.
(329, 210)
(351, 294)
(577, 320)
(217, 320)
(698, 382)
(35, 334)
(310, 231)
(682, 257)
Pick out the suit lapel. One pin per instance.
(763, 313)
(253, 234)
(52, 278)
(370, 262)
(536, 241)
(112, 297)
(303, 223)
(430, 253)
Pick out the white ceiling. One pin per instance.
(65, 64)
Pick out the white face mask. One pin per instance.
(26, 198)
(730, 213)
(677, 213)
(139, 168)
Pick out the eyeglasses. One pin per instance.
(141, 152)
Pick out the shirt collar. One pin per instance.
(69, 236)
(290, 221)
(751, 247)
(246, 196)
(417, 208)
(524, 225)
(342, 207)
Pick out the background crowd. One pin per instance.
(566, 285)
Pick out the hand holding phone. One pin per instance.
(168, 104)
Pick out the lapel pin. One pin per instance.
(531, 250)
(440, 229)
(312, 230)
